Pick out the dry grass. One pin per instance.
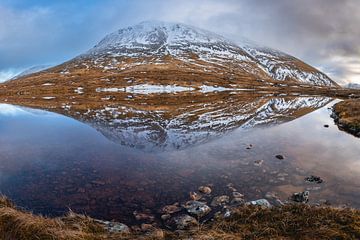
(21, 225)
(348, 115)
(288, 222)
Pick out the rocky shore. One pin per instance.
(346, 115)
(203, 216)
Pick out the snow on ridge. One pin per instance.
(156, 39)
(157, 32)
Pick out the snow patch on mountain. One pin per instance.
(154, 39)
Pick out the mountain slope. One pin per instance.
(31, 70)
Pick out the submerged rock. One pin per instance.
(170, 209)
(205, 190)
(220, 200)
(237, 195)
(314, 179)
(195, 196)
(280, 157)
(197, 208)
(258, 163)
(301, 197)
(143, 216)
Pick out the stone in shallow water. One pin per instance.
(280, 157)
(220, 200)
(258, 163)
(195, 196)
(143, 216)
(315, 179)
(205, 190)
(301, 197)
(197, 208)
(170, 209)
(237, 195)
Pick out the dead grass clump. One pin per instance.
(288, 222)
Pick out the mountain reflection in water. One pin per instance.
(160, 150)
(179, 123)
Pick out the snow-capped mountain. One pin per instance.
(198, 47)
(157, 57)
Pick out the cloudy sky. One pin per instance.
(323, 33)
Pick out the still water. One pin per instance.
(50, 163)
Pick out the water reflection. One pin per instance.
(49, 162)
(165, 126)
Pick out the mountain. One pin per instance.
(352, 85)
(157, 54)
(31, 70)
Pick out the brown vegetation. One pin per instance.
(347, 116)
(247, 222)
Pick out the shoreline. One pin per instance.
(247, 220)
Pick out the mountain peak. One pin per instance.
(157, 33)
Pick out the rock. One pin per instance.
(314, 179)
(301, 197)
(237, 201)
(260, 202)
(280, 157)
(114, 227)
(183, 222)
(170, 209)
(165, 217)
(258, 163)
(326, 126)
(231, 187)
(227, 213)
(220, 200)
(204, 190)
(195, 196)
(237, 195)
(143, 216)
(199, 209)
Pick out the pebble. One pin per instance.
(220, 200)
(315, 179)
(195, 196)
(301, 197)
(205, 190)
(170, 209)
(237, 195)
(280, 157)
(197, 208)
